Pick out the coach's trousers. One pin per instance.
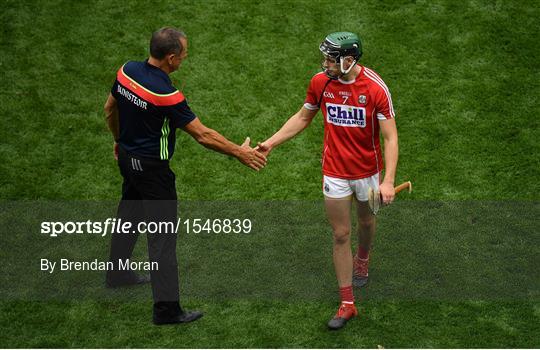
(148, 195)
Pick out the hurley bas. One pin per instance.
(95, 265)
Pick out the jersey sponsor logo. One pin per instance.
(328, 94)
(344, 115)
(131, 97)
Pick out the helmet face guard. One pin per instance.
(336, 47)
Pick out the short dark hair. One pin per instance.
(166, 41)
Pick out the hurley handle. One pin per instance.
(403, 186)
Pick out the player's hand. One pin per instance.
(264, 148)
(115, 151)
(251, 157)
(387, 192)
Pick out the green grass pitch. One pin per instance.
(464, 79)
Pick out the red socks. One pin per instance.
(346, 294)
(362, 253)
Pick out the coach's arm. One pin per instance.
(212, 139)
(111, 116)
(390, 135)
(292, 127)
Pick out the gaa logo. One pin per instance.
(328, 94)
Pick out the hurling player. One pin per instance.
(357, 106)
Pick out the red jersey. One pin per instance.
(351, 111)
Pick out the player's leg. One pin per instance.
(338, 201)
(366, 234)
(338, 212)
(365, 230)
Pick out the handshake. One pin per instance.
(255, 158)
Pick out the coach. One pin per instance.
(143, 112)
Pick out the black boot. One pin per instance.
(170, 312)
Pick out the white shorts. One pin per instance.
(341, 188)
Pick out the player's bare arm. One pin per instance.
(292, 127)
(212, 139)
(111, 115)
(390, 135)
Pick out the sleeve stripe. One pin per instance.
(373, 76)
(139, 90)
(310, 106)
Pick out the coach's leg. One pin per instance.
(162, 207)
(122, 244)
(338, 212)
(162, 250)
(130, 210)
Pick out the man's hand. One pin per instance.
(264, 148)
(251, 157)
(387, 192)
(115, 151)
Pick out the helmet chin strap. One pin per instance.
(342, 69)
